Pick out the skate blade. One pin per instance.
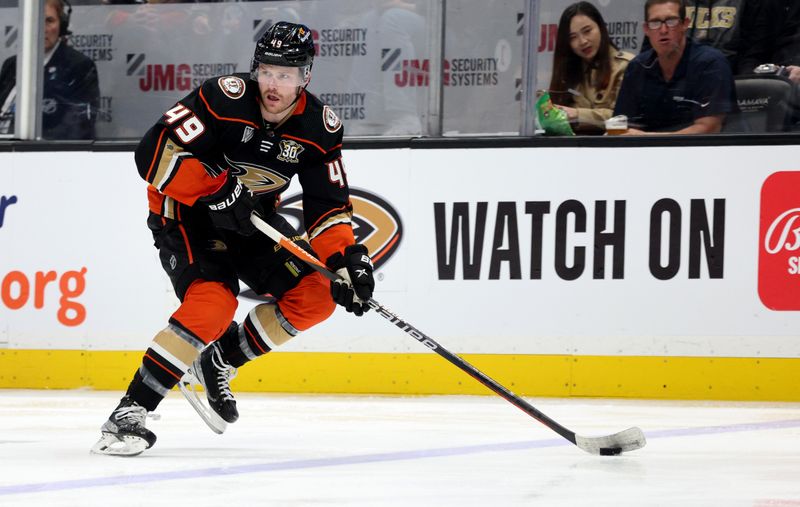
(188, 386)
(126, 445)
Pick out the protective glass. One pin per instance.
(655, 24)
(280, 76)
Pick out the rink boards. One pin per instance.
(637, 272)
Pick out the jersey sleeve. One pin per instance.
(327, 209)
(175, 155)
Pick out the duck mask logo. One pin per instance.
(376, 224)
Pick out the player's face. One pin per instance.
(278, 87)
(666, 40)
(584, 37)
(52, 25)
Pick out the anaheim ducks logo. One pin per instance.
(376, 224)
(232, 86)
(331, 121)
(259, 179)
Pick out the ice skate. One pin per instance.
(124, 433)
(214, 374)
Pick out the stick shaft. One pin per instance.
(418, 335)
(473, 372)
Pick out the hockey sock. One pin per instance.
(141, 394)
(170, 354)
(264, 329)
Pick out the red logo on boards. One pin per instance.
(779, 242)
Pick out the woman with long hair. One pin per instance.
(587, 68)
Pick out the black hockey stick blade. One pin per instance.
(624, 441)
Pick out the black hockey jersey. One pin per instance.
(218, 128)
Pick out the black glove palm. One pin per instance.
(355, 287)
(230, 207)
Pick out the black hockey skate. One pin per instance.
(214, 374)
(124, 434)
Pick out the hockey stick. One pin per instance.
(624, 441)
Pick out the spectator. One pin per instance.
(775, 38)
(394, 110)
(71, 93)
(678, 86)
(721, 24)
(587, 68)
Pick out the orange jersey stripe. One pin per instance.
(186, 241)
(239, 120)
(155, 199)
(301, 105)
(326, 215)
(191, 182)
(312, 143)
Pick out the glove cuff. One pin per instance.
(359, 252)
(335, 262)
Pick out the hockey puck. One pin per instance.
(610, 451)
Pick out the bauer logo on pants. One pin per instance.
(779, 242)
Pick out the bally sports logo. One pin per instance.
(779, 250)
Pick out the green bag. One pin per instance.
(552, 119)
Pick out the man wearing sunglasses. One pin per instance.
(678, 86)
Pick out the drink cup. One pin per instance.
(617, 125)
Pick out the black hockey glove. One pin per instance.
(230, 207)
(355, 287)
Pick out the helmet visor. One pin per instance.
(276, 75)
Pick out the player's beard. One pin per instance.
(278, 109)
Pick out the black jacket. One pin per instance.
(775, 36)
(71, 93)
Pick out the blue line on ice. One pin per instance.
(99, 482)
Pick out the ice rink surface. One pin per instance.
(420, 451)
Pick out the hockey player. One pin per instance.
(224, 151)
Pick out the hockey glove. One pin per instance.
(230, 207)
(355, 287)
